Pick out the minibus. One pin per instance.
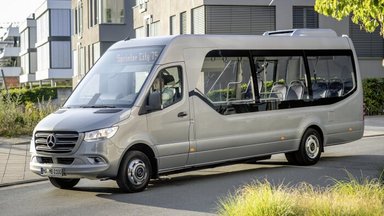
(157, 105)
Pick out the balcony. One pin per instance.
(10, 52)
(11, 33)
(11, 71)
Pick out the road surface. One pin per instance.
(192, 193)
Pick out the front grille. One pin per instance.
(61, 142)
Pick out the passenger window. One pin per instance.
(281, 78)
(227, 83)
(331, 76)
(169, 84)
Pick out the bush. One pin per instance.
(374, 96)
(17, 119)
(344, 198)
(33, 95)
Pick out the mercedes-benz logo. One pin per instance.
(51, 141)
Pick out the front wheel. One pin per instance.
(309, 151)
(135, 172)
(63, 183)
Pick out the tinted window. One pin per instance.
(331, 76)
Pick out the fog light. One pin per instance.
(96, 160)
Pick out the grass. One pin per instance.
(351, 197)
(17, 119)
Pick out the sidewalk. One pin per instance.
(14, 161)
(14, 154)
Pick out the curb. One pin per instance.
(374, 135)
(20, 143)
(22, 182)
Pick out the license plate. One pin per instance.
(52, 172)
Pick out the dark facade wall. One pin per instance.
(245, 20)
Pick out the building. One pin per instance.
(168, 17)
(53, 43)
(97, 24)
(9, 57)
(28, 54)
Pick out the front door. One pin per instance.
(169, 126)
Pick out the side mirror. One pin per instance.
(154, 101)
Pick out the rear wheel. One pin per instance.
(291, 157)
(309, 151)
(63, 183)
(135, 172)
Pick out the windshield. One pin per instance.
(116, 79)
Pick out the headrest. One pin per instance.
(168, 79)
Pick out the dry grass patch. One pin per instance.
(344, 198)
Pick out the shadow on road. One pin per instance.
(200, 191)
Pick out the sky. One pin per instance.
(17, 10)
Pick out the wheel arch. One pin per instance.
(319, 130)
(147, 150)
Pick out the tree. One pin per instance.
(369, 14)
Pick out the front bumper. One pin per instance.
(93, 160)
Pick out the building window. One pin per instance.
(112, 11)
(154, 29)
(78, 18)
(42, 27)
(198, 20)
(305, 17)
(183, 22)
(366, 44)
(140, 32)
(172, 25)
(60, 22)
(60, 54)
(142, 4)
(95, 12)
(92, 13)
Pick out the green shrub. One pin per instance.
(33, 95)
(374, 95)
(17, 119)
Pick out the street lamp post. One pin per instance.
(5, 83)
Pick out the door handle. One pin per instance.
(182, 114)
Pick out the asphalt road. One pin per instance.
(192, 193)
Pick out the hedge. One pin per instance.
(374, 96)
(33, 95)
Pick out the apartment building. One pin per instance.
(53, 43)
(169, 17)
(9, 57)
(97, 24)
(28, 54)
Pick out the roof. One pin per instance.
(279, 40)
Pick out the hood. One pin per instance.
(82, 119)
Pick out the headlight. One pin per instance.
(100, 134)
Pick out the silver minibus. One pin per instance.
(164, 104)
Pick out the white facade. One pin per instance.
(97, 24)
(53, 25)
(28, 56)
(152, 18)
(9, 56)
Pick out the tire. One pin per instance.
(291, 158)
(63, 183)
(134, 172)
(309, 151)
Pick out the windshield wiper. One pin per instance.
(97, 106)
